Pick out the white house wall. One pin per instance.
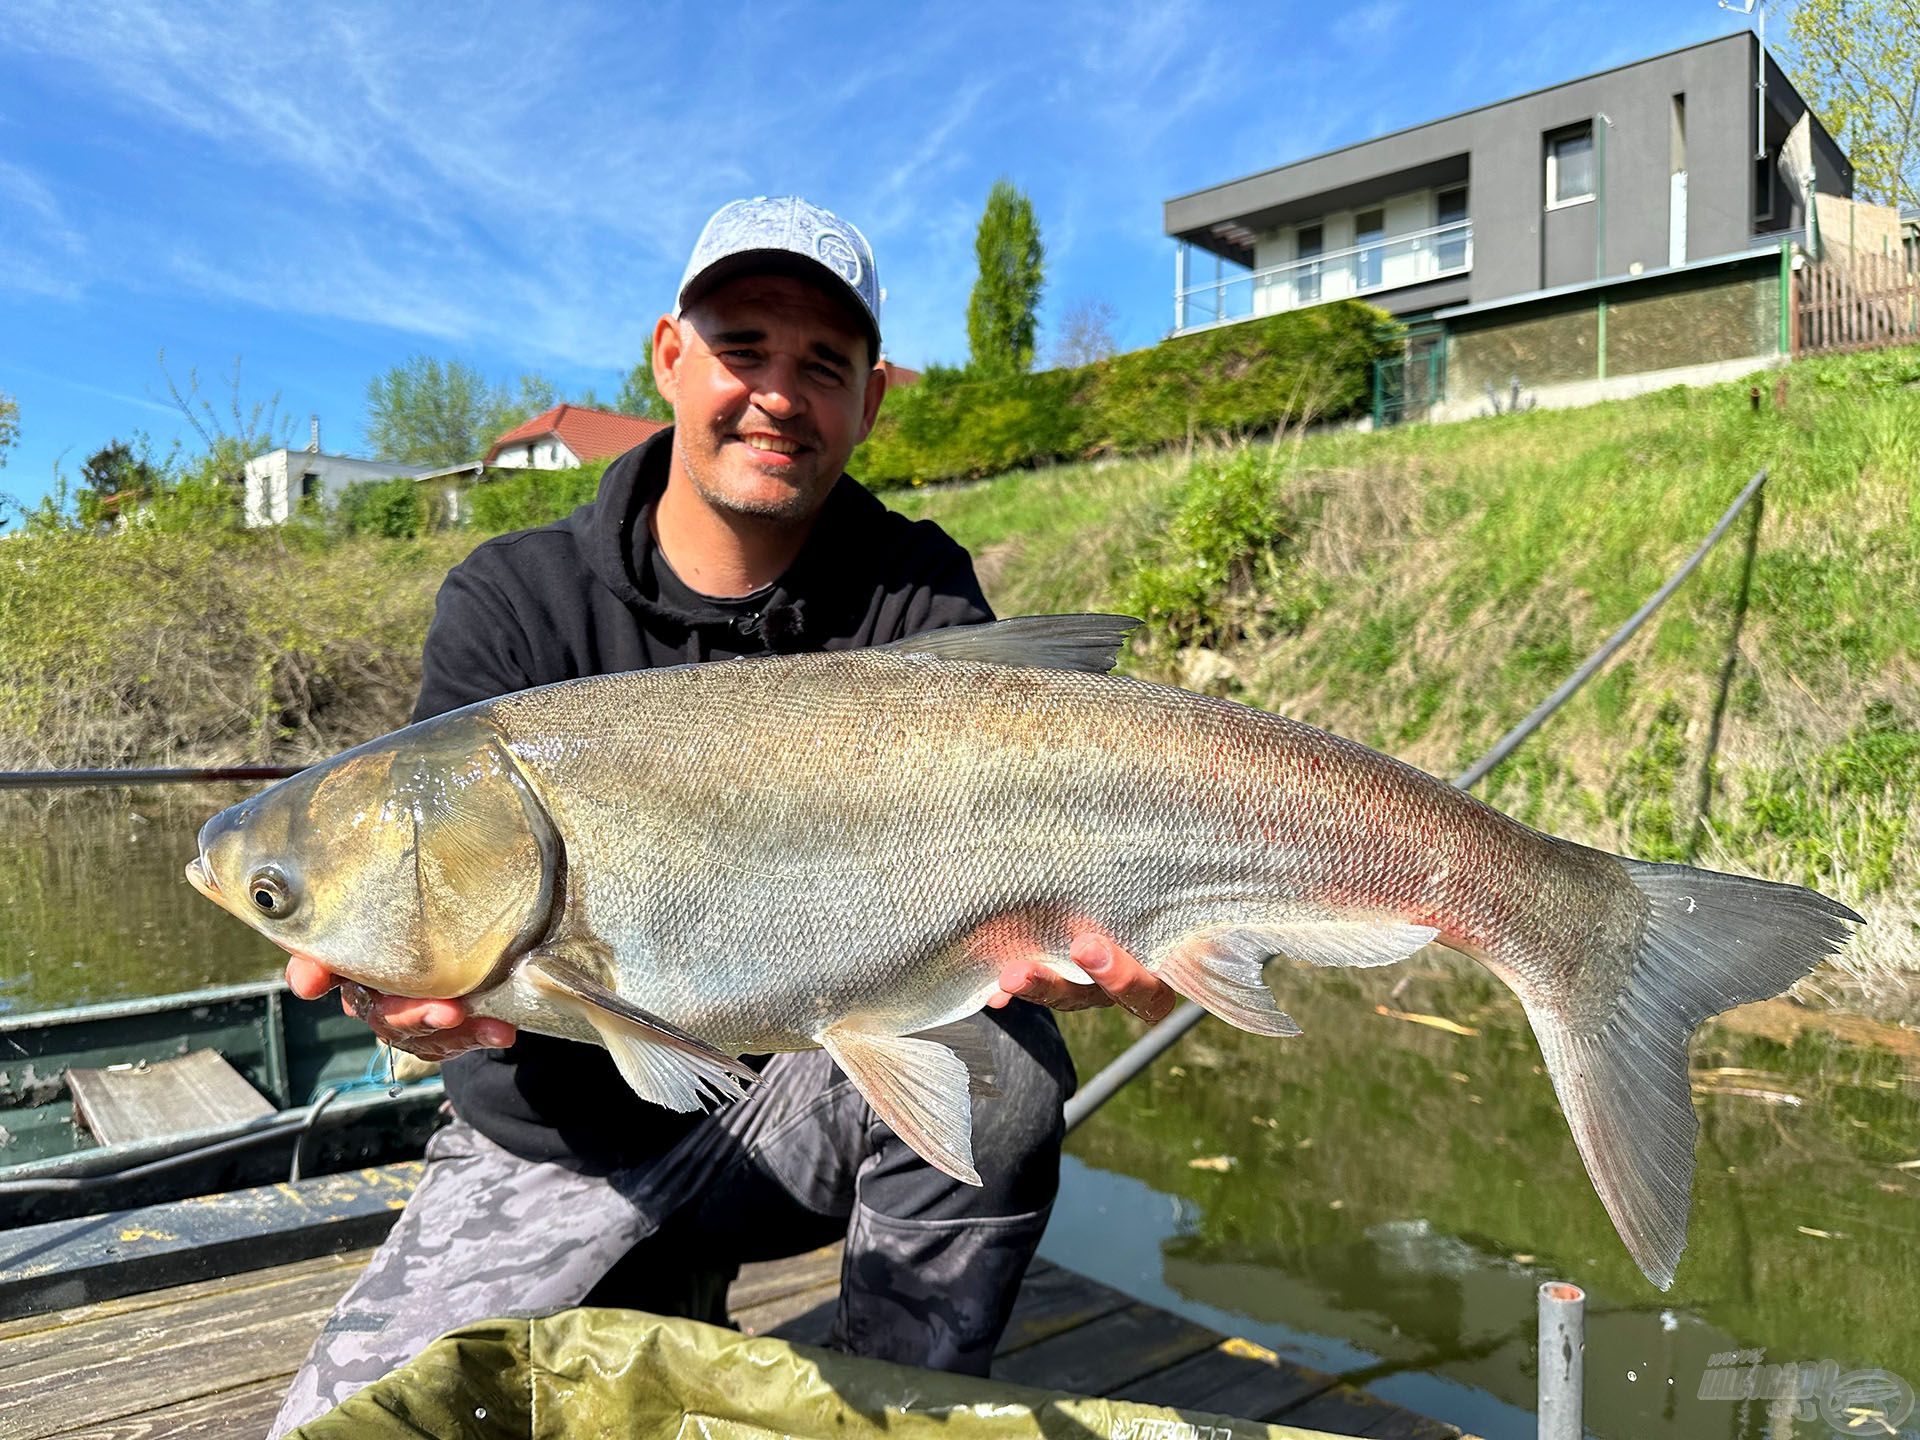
(545, 452)
(273, 480)
(1404, 215)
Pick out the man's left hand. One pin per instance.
(1119, 979)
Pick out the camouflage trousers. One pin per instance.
(931, 1265)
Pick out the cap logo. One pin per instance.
(836, 252)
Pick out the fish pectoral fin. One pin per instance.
(662, 1062)
(1047, 642)
(1067, 970)
(920, 1087)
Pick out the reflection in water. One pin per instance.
(93, 904)
(1397, 1193)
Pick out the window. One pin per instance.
(1369, 229)
(1309, 241)
(1450, 214)
(1570, 166)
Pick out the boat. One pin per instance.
(137, 1102)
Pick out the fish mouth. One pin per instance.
(200, 876)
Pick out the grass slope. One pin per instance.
(1422, 589)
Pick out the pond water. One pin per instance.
(1378, 1197)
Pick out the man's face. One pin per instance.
(772, 385)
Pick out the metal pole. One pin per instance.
(1553, 702)
(1562, 1364)
(56, 779)
(1179, 286)
(1131, 1061)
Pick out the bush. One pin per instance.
(390, 509)
(532, 497)
(1237, 380)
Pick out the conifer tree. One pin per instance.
(1001, 311)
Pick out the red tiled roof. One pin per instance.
(899, 376)
(590, 434)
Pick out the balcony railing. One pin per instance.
(1384, 264)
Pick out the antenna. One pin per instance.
(1759, 7)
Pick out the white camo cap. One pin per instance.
(771, 234)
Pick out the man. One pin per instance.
(736, 532)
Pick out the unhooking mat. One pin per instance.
(591, 1373)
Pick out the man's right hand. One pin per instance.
(431, 1029)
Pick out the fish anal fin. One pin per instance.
(663, 1063)
(919, 1086)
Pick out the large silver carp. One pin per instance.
(844, 850)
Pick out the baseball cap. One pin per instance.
(784, 234)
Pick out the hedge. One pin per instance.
(1236, 379)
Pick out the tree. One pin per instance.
(9, 425)
(1086, 334)
(115, 478)
(639, 396)
(424, 412)
(1857, 62)
(1006, 297)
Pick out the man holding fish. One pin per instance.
(735, 533)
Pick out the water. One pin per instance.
(94, 904)
(1392, 1194)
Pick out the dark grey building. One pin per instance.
(1666, 163)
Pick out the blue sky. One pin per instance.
(322, 190)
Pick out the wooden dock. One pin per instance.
(212, 1357)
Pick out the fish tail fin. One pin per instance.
(1709, 942)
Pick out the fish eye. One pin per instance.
(268, 890)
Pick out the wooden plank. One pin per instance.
(1104, 1354)
(1234, 1377)
(770, 1280)
(243, 1413)
(200, 1091)
(1053, 1300)
(100, 1257)
(131, 1363)
(53, 1323)
(1346, 1411)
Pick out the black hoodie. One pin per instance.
(591, 595)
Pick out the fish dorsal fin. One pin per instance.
(920, 1087)
(662, 1062)
(1046, 642)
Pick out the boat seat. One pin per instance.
(198, 1091)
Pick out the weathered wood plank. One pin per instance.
(1234, 1377)
(199, 1091)
(769, 1280)
(1347, 1411)
(345, 1266)
(1106, 1353)
(101, 1257)
(1054, 1300)
(243, 1413)
(134, 1362)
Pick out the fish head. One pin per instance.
(419, 864)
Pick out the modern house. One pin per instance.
(1627, 223)
(280, 482)
(568, 435)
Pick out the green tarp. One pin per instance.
(619, 1373)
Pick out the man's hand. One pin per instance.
(1119, 979)
(431, 1029)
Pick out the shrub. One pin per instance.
(1236, 380)
(390, 509)
(532, 497)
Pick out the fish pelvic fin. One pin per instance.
(1048, 642)
(1710, 942)
(1223, 970)
(663, 1063)
(919, 1086)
